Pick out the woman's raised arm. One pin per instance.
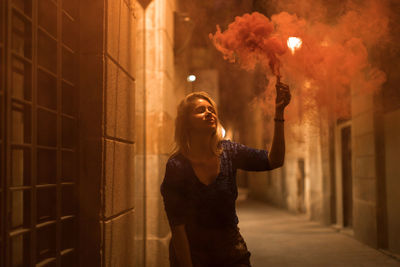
(276, 155)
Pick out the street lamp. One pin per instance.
(191, 78)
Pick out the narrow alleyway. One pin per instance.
(276, 237)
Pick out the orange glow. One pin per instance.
(294, 43)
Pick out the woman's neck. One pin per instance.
(200, 145)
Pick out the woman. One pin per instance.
(199, 188)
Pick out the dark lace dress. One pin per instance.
(208, 211)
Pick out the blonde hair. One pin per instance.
(182, 125)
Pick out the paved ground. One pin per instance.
(278, 238)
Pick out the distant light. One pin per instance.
(191, 78)
(223, 132)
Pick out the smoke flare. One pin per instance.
(249, 40)
(294, 43)
(334, 62)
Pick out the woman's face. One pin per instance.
(203, 116)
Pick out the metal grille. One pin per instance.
(38, 103)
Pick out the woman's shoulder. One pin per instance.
(225, 143)
(175, 170)
(175, 161)
(229, 145)
(236, 149)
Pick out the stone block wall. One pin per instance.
(309, 189)
(328, 179)
(314, 172)
(107, 132)
(295, 151)
(157, 99)
(392, 167)
(364, 169)
(90, 131)
(117, 218)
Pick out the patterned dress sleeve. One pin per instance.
(249, 159)
(174, 194)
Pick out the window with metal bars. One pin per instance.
(38, 132)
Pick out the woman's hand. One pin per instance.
(282, 95)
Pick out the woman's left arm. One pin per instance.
(276, 155)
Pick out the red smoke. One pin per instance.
(333, 63)
(250, 40)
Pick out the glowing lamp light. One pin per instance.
(223, 132)
(191, 78)
(294, 43)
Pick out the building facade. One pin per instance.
(87, 96)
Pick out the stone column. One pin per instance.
(156, 112)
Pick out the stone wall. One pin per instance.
(392, 145)
(156, 109)
(129, 91)
(107, 103)
(90, 131)
(313, 170)
(306, 181)
(119, 138)
(364, 168)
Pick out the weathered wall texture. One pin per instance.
(90, 130)
(107, 130)
(307, 150)
(303, 184)
(157, 98)
(140, 137)
(392, 145)
(313, 170)
(364, 169)
(119, 138)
